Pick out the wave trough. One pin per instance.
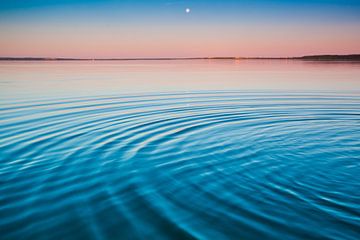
(201, 165)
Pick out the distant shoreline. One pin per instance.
(351, 57)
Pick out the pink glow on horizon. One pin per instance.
(254, 41)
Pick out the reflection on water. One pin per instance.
(58, 79)
(81, 157)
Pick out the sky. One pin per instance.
(165, 28)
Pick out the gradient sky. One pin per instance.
(118, 28)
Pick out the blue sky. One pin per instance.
(334, 10)
(302, 27)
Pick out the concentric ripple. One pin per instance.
(202, 165)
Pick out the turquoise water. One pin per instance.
(248, 158)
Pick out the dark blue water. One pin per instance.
(198, 165)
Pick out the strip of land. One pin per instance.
(351, 57)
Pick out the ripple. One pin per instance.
(201, 165)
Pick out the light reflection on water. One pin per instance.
(208, 150)
(52, 79)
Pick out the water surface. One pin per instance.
(179, 150)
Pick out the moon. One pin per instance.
(187, 10)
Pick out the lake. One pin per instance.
(205, 149)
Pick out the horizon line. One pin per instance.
(305, 57)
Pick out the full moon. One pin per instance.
(187, 10)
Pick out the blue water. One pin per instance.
(185, 165)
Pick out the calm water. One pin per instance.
(179, 150)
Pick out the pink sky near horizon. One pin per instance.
(83, 40)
